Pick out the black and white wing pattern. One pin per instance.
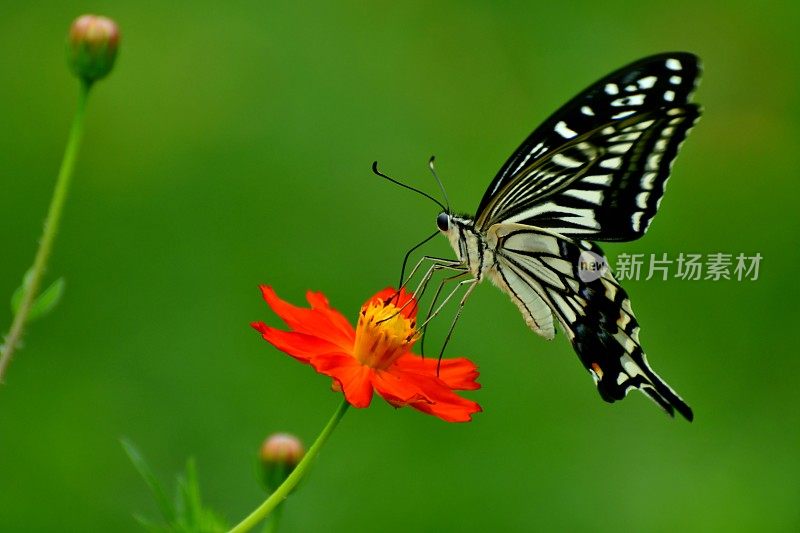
(597, 168)
(542, 272)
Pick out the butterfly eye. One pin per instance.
(443, 221)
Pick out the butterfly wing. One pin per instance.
(597, 168)
(590, 305)
(606, 184)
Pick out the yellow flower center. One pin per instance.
(383, 334)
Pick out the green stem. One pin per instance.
(280, 494)
(275, 519)
(31, 289)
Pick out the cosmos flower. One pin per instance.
(375, 356)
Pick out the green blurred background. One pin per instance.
(231, 147)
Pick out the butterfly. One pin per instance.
(595, 170)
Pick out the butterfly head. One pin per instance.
(451, 223)
(460, 232)
(443, 222)
(449, 228)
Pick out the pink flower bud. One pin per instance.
(280, 454)
(92, 47)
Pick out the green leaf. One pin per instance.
(44, 303)
(164, 503)
(193, 517)
(191, 494)
(150, 526)
(186, 514)
(47, 301)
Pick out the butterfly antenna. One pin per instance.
(436, 177)
(409, 187)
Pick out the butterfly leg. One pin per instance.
(422, 260)
(467, 293)
(435, 261)
(437, 264)
(433, 305)
(455, 266)
(471, 282)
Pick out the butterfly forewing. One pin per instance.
(586, 139)
(606, 184)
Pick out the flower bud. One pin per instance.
(280, 454)
(92, 47)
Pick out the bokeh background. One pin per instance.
(232, 146)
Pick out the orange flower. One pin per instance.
(376, 356)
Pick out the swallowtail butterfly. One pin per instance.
(594, 171)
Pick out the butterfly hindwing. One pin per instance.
(592, 307)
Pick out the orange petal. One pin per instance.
(398, 390)
(457, 373)
(424, 393)
(354, 378)
(319, 302)
(444, 403)
(301, 346)
(458, 410)
(314, 322)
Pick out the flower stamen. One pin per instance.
(383, 334)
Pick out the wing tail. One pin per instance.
(664, 395)
(618, 367)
